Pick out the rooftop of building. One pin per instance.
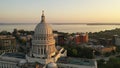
(33, 65)
(14, 55)
(76, 61)
(6, 37)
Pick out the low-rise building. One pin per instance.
(81, 38)
(107, 49)
(70, 62)
(7, 44)
(116, 40)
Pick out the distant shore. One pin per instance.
(63, 23)
(62, 27)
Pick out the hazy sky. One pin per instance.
(60, 11)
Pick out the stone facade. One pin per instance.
(7, 44)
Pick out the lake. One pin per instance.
(70, 28)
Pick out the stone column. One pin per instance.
(10, 65)
(3, 66)
(43, 50)
(0, 65)
(40, 49)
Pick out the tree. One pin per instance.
(74, 51)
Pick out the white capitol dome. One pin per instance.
(43, 43)
(43, 27)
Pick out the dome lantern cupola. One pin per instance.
(42, 17)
